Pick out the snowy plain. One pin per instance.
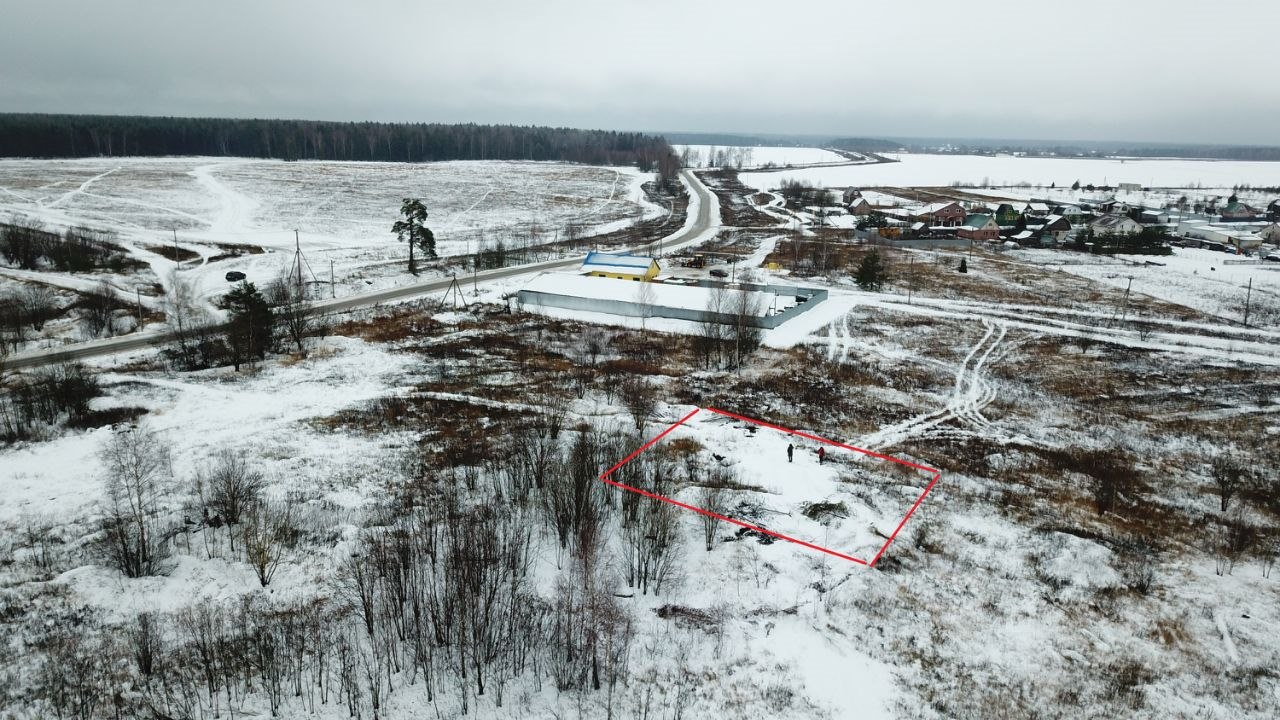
(764, 156)
(943, 170)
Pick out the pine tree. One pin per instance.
(1075, 185)
(871, 272)
(250, 323)
(413, 229)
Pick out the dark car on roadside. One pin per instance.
(718, 273)
(235, 276)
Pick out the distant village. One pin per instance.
(941, 217)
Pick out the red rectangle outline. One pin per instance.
(937, 475)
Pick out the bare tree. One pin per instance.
(1229, 475)
(646, 298)
(711, 499)
(711, 328)
(265, 530)
(137, 464)
(747, 307)
(233, 486)
(98, 305)
(292, 311)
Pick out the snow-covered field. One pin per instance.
(242, 214)
(1209, 281)
(940, 170)
(755, 157)
(332, 204)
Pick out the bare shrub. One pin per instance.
(233, 485)
(640, 400)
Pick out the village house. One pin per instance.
(1070, 212)
(1006, 215)
(1113, 206)
(1236, 211)
(1115, 225)
(1038, 209)
(1270, 233)
(1129, 187)
(941, 214)
(1055, 230)
(620, 266)
(1273, 211)
(859, 206)
(980, 228)
(851, 194)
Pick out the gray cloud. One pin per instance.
(1167, 70)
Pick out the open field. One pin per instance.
(756, 157)
(934, 170)
(205, 217)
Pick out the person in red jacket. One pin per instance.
(822, 455)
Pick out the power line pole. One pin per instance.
(177, 259)
(332, 292)
(1247, 296)
(297, 259)
(911, 277)
(1125, 309)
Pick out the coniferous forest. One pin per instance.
(69, 136)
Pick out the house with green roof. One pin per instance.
(980, 228)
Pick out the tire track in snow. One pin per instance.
(83, 186)
(969, 395)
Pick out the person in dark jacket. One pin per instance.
(790, 450)
(822, 455)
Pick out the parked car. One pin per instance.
(235, 276)
(1272, 257)
(718, 273)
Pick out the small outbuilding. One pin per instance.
(620, 266)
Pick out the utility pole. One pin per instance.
(332, 292)
(138, 290)
(911, 277)
(1247, 296)
(176, 258)
(297, 259)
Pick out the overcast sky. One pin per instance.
(1153, 70)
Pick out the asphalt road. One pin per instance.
(708, 217)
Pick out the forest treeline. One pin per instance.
(69, 136)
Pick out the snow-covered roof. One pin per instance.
(616, 263)
(663, 295)
(1110, 221)
(935, 207)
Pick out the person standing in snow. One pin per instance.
(790, 450)
(822, 455)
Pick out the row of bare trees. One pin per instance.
(728, 332)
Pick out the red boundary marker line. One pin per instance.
(937, 475)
